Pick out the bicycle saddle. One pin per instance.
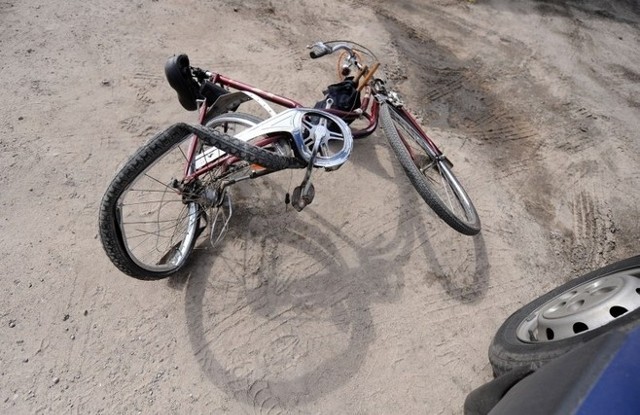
(178, 73)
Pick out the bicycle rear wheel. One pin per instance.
(429, 172)
(150, 218)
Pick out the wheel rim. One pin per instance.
(583, 308)
(157, 228)
(158, 224)
(435, 171)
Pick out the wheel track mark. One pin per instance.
(514, 127)
(581, 121)
(449, 81)
(625, 73)
(134, 125)
(592, 238)
(489, 117)
(269, 261)
(517, 167)
(500, 127)
(222, 323)
(261, 396)
(147, 76)
(269, 321)
(285, 343)
(584, 228)
(142, 95)
(447, 88)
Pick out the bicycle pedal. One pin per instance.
(301, 198)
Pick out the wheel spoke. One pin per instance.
(429, 175)
(149, 225)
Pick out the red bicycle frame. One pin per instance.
(369, 109)
(367, 103)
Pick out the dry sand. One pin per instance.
(365, 302)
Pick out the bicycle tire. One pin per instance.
(242, 149)
(118, 244)
(458, 210)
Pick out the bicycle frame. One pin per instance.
(412, 120)
(369, 110)
(154, 242)
(367, 103)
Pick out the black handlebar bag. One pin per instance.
(345, 97)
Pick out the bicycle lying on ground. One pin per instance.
(177, 184)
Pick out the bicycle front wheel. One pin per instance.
(149, 217)
(429, 172)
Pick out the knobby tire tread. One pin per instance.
(155, 148)
(241, 149)
(417, 179)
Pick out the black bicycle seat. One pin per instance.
(178, 73)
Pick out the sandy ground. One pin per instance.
(365, 302)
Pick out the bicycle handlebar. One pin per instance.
(320, 49)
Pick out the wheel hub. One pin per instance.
(583, 308)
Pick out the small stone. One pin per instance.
(86, 312)
(73, 337)
(20, 118)
(66, 317)
(12, 324)
(56, 380)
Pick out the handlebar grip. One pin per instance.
(317, 53)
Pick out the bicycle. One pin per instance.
(177, 183)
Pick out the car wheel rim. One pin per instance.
(583, 308)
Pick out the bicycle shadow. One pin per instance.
(280, 314)
(287, 317)
(463, 271)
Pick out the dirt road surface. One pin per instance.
(365, 302)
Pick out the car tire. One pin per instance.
(569, 316)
